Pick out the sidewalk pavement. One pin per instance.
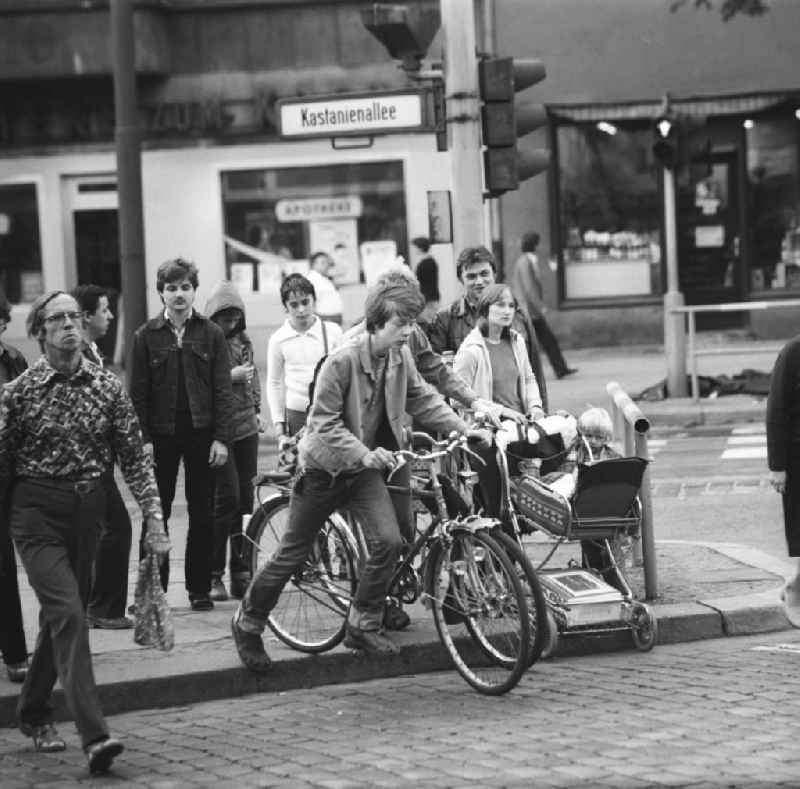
(705, 590)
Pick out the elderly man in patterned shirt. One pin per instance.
(62, 424)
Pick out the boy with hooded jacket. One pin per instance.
(233, 496)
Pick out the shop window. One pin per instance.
(609, 212)
(772, 173)
(275, 219)
(20, 250)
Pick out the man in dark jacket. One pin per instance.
(181, 388)
(476, 269)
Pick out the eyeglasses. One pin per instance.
(60, 318)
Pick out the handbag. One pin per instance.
(152, 621)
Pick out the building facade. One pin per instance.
(600, 211)
(221, 184)
(226, 185)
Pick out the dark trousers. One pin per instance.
(314, 497)
(12, 631)
(791, 501)
(294, 421)
(110, 587)
(233, 498)
(191, 446)
(488, 480)
(55, 530)
(548, 341)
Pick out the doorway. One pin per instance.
(93, 239)
(710, 269)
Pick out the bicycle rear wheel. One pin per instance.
(311, 612)
(479, 607)
(537, 605)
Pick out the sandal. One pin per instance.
(45, 737)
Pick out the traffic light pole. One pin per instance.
(674, 323)
(488, 45)
(129, 170)
(463, 123)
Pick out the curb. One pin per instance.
(187, 684)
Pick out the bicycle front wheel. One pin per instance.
(311, 612)
(478, 601)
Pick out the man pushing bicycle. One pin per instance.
(363, 393)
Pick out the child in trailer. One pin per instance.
(591, 445)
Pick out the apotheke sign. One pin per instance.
(311, 209)
(332, 117)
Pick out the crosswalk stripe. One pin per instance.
(748, 430)
(755, 439)
(744, 453)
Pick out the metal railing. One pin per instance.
(694, 352)
(632, 426)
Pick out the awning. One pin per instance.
(696, 106)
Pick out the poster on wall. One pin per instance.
(242, 277)
(339, 238)
(377, 257)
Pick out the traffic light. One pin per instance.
(504, 164)
(666, 147)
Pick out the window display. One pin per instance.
(772, 172)
(276, 219)
(609, 211)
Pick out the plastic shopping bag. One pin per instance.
(152, 623)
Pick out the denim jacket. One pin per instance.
(207, 373)
(346, 382)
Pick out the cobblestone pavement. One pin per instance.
(722, 712)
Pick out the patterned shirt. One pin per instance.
(73, 427)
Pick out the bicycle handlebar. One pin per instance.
(439, 449)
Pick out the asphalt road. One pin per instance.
(722, 712)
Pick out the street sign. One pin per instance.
(359, 114)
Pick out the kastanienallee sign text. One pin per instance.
(350, 114)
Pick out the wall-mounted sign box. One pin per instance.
(357, 113)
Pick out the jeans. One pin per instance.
(193, 447)
(12, 631)
(55, 530)
(110, 588)
(233, 498)
(315, 496)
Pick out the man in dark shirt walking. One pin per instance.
(63, 422)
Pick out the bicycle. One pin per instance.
(458, 570)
